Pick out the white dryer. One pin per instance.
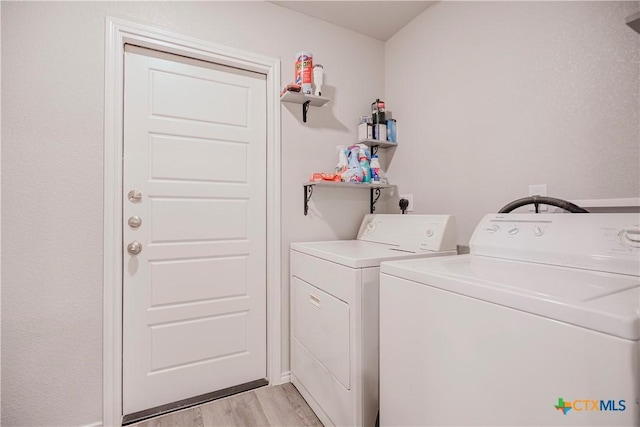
(334, 310)
(539, 325)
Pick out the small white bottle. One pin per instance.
(318, 78)
(375, 169)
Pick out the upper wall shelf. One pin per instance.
(376, 143)
(305, 99)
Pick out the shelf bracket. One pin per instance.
(305, 108)
(377, 192)
(308, 191)
(374, 150)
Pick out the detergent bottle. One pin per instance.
(375, 170)
(363, 158)
(354, 170)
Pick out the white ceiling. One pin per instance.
(377, 19)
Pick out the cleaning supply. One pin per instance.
(354, 170)
(391, 130)
(341, 167)
(320, 176)
(363, 158)
(380, 132)
(377, 112)
(304, 69)
(375, 169)
(364, 164)
(318, 78)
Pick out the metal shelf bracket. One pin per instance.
(377, 193)
(305, 108)
(308, 191)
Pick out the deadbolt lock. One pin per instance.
(134, 196)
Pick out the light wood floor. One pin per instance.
(266, 406)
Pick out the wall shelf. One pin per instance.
(305, 99)
(632, 202)
(374, 144)
(374, 190)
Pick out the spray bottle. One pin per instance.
(354, 170)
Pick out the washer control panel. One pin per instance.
(603, 242)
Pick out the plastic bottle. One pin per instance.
(377, 112)
(354, 170)
(364, 164)
(375, 169)
(343, 162)
(304, 69)
(318, 78)
(391, 130)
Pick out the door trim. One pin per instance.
(118, 33)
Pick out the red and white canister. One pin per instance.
(304, 70)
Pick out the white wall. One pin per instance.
(52, 175)
(491, 97)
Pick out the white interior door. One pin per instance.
(194, 297)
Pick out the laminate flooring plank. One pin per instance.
(191, 417)
(284, 406)
(240, 410)
(278, 406)
(218, 413)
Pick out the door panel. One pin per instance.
(212, 219)
(194, 298)
(190, 159)
(177, 96)
(181, 343)
(211, 278)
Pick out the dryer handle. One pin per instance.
(314, 300)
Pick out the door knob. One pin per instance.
(134, 196)
(134, 222)
(134, 248)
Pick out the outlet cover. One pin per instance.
(409, 197)
(538, 190)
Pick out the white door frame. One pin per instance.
(118, 33)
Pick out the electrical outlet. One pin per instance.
(409, 197)
(538, 190)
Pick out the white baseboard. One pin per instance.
(286, 377)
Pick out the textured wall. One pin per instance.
(52, 175)
(494, 96)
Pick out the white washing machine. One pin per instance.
(539, 325)
(334, 310)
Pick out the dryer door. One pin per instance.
(321, 324)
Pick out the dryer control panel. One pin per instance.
(602, 242)
(410, 232)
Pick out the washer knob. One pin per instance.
(492, 229)
(537, 231)
(371, 227)
(513, 231)
(630, 236)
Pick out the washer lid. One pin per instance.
(604, 302)
(359, 253)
